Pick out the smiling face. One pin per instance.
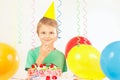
(47, 34)
(47, 30)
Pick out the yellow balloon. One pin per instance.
(9, 61)
(84, 61)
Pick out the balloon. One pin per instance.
(84, 62)
(75, 41)
(110, 60)
(9, 61)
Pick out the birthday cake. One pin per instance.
(44, 72)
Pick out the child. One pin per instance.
(46, 53)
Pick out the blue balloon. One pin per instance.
(110, 60)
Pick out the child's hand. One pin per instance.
(44, 51)
(46, 48)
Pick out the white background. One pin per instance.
(18, 20)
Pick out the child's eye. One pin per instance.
(42, 32)
(51, 32)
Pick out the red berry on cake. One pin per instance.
(54, 77)
(47, 77)
(33, 66)
(52, 66)
(41, 66)
(44, 64)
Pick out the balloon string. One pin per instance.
(19, 28)
(58, 17)
(78, 17)
(78, 21)
(85, 18)
(33, 24)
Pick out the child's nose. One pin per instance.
(47, 35)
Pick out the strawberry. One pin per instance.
(54, 77)
(52, 66)
(33, 66)
(41, 66)
(44, 64)
(47, 78)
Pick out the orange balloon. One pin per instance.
(9, 61)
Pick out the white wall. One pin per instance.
(17, 24)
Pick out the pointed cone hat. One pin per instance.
(50, 13)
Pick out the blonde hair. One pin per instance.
(46, 21)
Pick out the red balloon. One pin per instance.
(75, 41)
